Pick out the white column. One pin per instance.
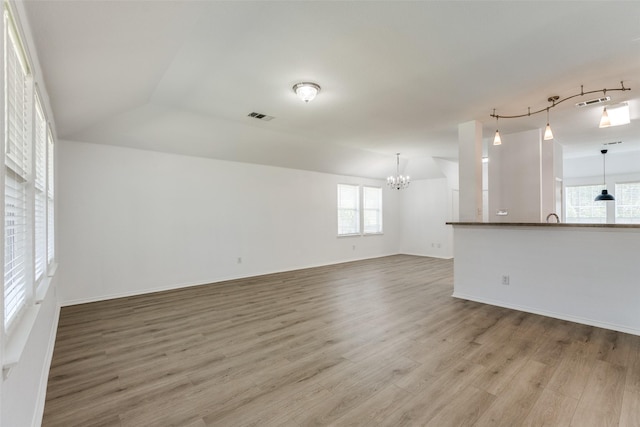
(470, 170)
(551, 179)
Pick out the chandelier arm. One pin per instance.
(582, 93)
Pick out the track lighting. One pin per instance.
(555, 100)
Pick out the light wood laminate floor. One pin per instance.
(375, 342)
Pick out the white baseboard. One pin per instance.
(77, 301)
(561, 316)
(44, 377)
(427, 255)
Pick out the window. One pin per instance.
(628, 203)
(348, 209)
(40, 189)
(581, 206)
(28, 184)
(372, 210)
(352, 220)
(50, 205)
(17, 160)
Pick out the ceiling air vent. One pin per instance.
(260, 116)
(593, 101)
(613, 143)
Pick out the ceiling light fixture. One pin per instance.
(604, 120)
(398, 182)
(548, 135)
(306, 91)
(496, 139)
(604, 196)
(615, 115)
(555, 100)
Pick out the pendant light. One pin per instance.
(548, 135)
(604, 196)
(497, 140)
(615, 115)
(604, 120)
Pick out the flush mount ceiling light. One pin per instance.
(306, 90)
(555, 100)
(615, 115)
(604, 196)
(398, 182)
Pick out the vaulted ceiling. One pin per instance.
(182, 76)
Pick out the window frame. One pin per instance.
(40, 130)
(619, 203)
(50, 200)
(360, 215)
(28, 189)
(18, 291)
(355, 230)
(595, 189)
(378, 209)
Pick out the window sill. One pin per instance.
(349, 235)
(18, 340)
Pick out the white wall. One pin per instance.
(618, 163)
(582, 274)
(24, 391)
(133, 221)
(425, 207)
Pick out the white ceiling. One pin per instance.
(181, 76)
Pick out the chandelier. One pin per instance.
(398, 181)
(555, 100)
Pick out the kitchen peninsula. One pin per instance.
(585, 273)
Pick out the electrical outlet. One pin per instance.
(353, 247)
(438, 245)
(505, 279)
(239, 260)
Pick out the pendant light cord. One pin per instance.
(604, 168)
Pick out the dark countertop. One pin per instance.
(543, 224)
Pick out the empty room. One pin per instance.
(297, 213)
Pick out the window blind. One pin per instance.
(17, 167)
(348, 209)
(581, 206)
(40, 191)
(628, 203)
(50, 198)
(372, 210)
